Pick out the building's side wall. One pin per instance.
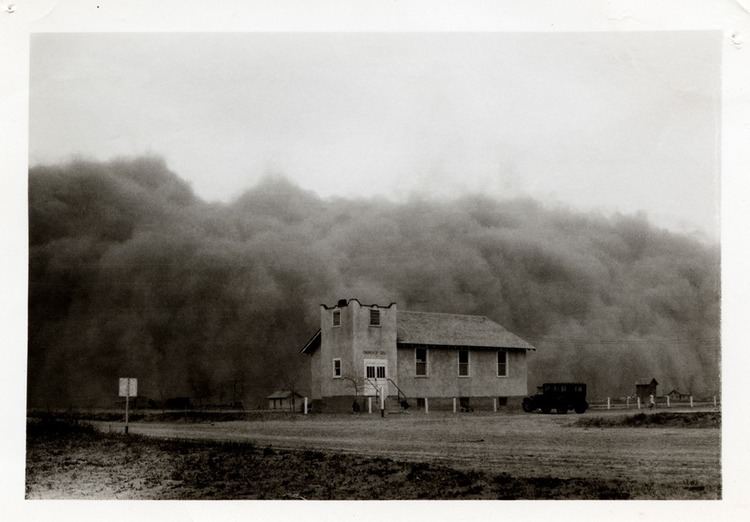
(442, 374)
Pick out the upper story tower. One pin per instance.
(358, 341)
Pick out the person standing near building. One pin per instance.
(651, 401)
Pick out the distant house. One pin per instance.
(285, 400)
(427, 359)
(644, 389)
(674, 395)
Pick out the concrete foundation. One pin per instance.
(344, 404)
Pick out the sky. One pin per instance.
(596, 121)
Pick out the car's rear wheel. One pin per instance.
(580, 408)
(527, 406)
(546, 409)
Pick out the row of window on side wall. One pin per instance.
(463, 363)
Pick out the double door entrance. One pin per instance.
(376, 376)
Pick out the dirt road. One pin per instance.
(521, 445)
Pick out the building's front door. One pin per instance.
(376, 376)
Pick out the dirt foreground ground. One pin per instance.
(400, 457)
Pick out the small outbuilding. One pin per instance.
(675, 395)
(285, 400)
(644, 389)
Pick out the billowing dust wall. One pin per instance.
(131, 274)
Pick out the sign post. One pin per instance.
(128, 389)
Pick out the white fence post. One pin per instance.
(454, 405)
(609, 405)
(369, 404)
(426, 405)
(714, 401)
(627, 402)
(305, 405)
(691, 401)
(494, 405)
(667, 401)
(639, 402)
(382, 401)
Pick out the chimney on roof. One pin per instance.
(342, 302)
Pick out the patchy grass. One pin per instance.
(702, 419)
(187, 416)
(75, 462)
(49, 427)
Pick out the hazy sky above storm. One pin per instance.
(595, 121)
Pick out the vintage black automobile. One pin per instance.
(558, 396)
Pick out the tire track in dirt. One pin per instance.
(527, 446)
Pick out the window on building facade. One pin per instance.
(374, 317)
(421, 362)
(502, 363)
(375, 372)
(337, 367)
(337, 318)
(463, 363)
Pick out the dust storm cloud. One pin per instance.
(132, 274)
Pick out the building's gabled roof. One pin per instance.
(282, 394)
(313, 344)
(449, 330)
(426, 328)
(646, 382)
